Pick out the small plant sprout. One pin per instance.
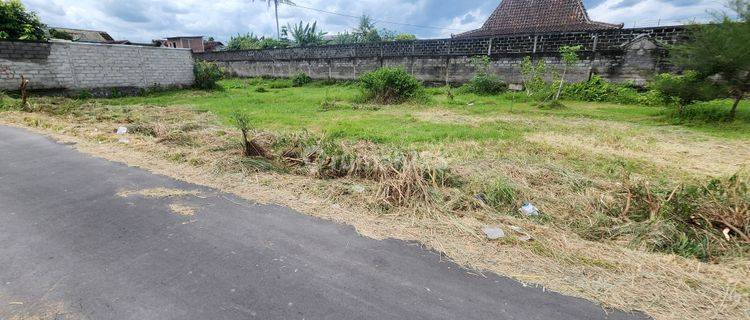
(242, 121)
(569, 56)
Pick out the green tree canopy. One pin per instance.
(18, 24)
(305, 34)
(250, 41)
(721, 48)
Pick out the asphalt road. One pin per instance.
(70, 248)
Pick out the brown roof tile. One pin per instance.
(538, 16)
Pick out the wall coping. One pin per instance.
(60, 41)
(505, 36)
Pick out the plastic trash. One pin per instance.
(122, 130)
(529, 209)
(493, 233)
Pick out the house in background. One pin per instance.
(212, 46)
(82, 35)
(194, 43)
(538, 16)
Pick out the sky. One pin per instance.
(144, 20)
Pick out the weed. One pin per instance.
(300, 79)
(551, 105)
(280, 84)
(501, 195)
(207, 74)
(390, 86)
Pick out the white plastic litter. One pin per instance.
(529, 209)
(122, 130)
(493, 233)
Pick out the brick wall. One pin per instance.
(618, 55)
(77, 66)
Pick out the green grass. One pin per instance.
(294, 108)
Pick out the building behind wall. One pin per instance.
(194, 43)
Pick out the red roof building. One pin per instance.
(538, 16)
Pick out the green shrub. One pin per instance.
(708, 112)
(390, 86)
(301, 79)
(261, 89)
(686, 88)
(207, 74)
(485, 85)
(599, 90)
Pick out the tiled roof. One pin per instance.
(82, 35)
(538, 16)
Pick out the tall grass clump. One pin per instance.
(207, 74)
(6, 102)
(390, 86)
(707, 221)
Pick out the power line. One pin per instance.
(375, 20)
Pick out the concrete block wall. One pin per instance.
(627, 55)
(63, 65)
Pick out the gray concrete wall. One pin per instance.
(628, 55)
(81, 66)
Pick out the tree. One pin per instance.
(366, 30)
(18, 24)
(345, 38)
(685, 89)
(276, 12)
(721, 48)
(250, 41)
(306, 35)
(569, 56)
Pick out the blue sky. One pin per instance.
(143, 20)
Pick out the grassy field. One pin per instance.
(300, 108)
(618, 186)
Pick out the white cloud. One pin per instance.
(648, 13)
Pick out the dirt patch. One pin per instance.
(699, 157)
(158, 193)
(182, 210)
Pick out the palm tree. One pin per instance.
(276, 11)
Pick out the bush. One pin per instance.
(599, 90)
(708, 112)
(686, 88)
(207, 74)
(301, 79)
(485, 85)
(390, 86)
